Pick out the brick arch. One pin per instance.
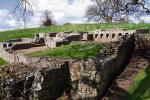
(113, 35)
(101, 36)
(96, 35)
(127, 33)
(107, 35)
(4, 45)
(120, 34)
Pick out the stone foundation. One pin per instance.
(52, 78)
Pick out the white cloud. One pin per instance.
(11, 22)
(3, 12)
(146, 19)
(62, 10)
(7, 21)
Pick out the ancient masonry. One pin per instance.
(67, 79)
(8, 49)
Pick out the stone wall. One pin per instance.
(51, 78)
(88, 37)
(35, 82)
(142, 41)
(92, 78)
(13, 57)
(111, 35)
(19, 46)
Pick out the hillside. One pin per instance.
(23, 33)
(140, 89)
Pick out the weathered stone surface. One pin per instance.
(52, 78)
(91, 78)
(88, 37)
(110, 35)
(142, 41)
(52, 40)
(142, 30)
(33, 81)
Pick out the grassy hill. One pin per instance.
(140, 89)
(22, 33)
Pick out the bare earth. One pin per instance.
(119, 88)
(34, 49)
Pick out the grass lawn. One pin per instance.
(140, 89)
(2, 61)
(23, 33)
(74, 50)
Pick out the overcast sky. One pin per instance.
(63, 11)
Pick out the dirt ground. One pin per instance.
(33, 49)
(119, 88)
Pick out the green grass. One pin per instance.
(23, 33)
(75, 50)
(140, 89)
(2, 61)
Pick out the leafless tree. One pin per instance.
(107, 10)
(23, 10)
(48, 19)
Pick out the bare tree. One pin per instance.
(48, 19)
(107, 10)
(23, 10)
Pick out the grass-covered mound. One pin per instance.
(23, 33)
(2, 61)
(75, 50)
(140, 89)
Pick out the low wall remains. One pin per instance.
(13, 57)
(51, 78)
(92, 78)
(110, 35)
(35, 82)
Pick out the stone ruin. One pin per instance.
(52, 40)
(51, 78)
(64, 79)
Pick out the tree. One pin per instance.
(48, 19)
(108, 10)
(23, 10)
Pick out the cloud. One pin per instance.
(7, 20)
(3, 12)
(146, 19)
(63, 11)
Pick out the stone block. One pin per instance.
(143, 30)
(88, 37)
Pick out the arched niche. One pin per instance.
(113, 35)
(101, 36)
(107, 35)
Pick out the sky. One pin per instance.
(63, 11)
